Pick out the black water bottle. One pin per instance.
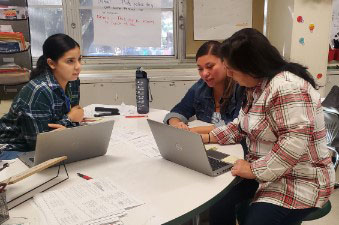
(142, 88)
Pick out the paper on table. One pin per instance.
(230, 159)
(96, 201)
(147, 146)
(158, 115)
(142, 141)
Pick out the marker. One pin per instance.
(136, 116)
(84, 176)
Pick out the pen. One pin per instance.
(84, 176)
(136, 116)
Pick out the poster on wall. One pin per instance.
(335, 24)
(130, 23)
(219, 19)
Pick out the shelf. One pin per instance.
(8, 92)
(19, 21)
(9, 53)
(13, 19)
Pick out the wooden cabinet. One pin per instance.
(165, 94)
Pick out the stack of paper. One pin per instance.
(142, 141)
(13, 74)
(13, 12)
(6, 28)
(96, 201)
(11, 42)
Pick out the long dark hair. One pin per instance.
(213, 48)
(54, 48)
(250, 52)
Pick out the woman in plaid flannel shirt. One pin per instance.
(288, 171)
(50, 100)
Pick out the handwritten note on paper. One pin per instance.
(127, 23)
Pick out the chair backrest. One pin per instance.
(332, 126)
(332, 99)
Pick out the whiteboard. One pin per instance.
(129, 23)
(219, 19)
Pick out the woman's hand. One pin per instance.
(202, 129)
(175, 122)
(56, 126)
(242, 168)
(181, 125)
(76, 114)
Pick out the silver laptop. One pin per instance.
(187, 149)
(77, 143)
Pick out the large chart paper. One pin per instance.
(335, 19)
(130, 23)
(219, 19)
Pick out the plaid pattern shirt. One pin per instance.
(40, 102)
(284, 126)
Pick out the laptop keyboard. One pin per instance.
(216, 164)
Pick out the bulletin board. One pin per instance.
(219, 19)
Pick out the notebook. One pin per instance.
(187, 149)
(77, 143)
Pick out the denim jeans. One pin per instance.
(224, 211)
(269, 214)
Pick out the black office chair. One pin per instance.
(241, 211)
(332, 135)
(331, 111)
(332, 130)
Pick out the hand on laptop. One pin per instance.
(180, 125)
(56, 126)
(76, 114)
(242, 168)
(202, 129)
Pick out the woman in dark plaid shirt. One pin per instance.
(49, 101)
(288, 171)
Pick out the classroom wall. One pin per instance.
(168, 86)
(280, 25)
(285, 33)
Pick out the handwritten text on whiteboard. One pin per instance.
(127, 23)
